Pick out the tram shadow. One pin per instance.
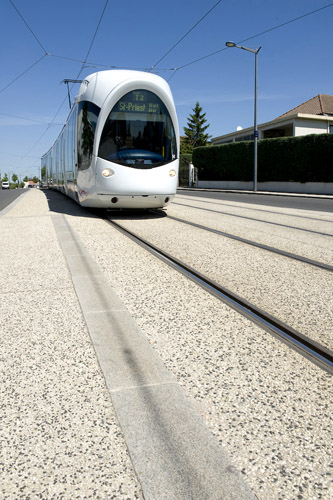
(135, 214)
(62, 204)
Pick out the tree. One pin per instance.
(195, 135)
(14, 178)
(43, 173)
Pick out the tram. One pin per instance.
(120, 145)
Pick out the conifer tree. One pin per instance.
(195, 130)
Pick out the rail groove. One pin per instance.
(224, 204)
(310, 349)
(254, 219)
(284, 253)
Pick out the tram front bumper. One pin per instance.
(134, 201)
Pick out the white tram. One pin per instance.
(120, 145)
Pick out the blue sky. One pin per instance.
(294, 64)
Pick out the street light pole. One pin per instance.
(255, 159)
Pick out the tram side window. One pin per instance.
(54, 166)
(56, 162)
(69, 147)
(60, 163)
(48, 167)
(87, 120)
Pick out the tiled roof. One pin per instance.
(322, 104)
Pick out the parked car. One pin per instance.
(5, 185)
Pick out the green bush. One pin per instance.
(184, 160)
(300, 159)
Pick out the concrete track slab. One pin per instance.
(173, 453)
(61, 435)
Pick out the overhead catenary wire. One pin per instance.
(93, 39)
(82, 66)
(174, 70)
(186, 34)
(37, 40)
(90, 64)
(286, 22)
(255, 36)
(27, 25)
(45, 131)
(90, 47)
(23, 73)
(46, 53)
(24, 118)
(13, 154)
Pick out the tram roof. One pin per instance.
(97, 86)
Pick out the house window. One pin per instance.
(331, 129)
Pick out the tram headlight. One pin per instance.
(172, 173)
(107, 172)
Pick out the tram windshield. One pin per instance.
(139, 132)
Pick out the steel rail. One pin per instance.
(315, 352)
(284, 253)
(253, 219)
(225, 203)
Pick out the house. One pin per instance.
(314, 116)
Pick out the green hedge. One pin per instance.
(300, 159)
(184, 160)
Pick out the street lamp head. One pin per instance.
(232, 44)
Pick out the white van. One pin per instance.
(5, 185)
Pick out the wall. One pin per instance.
(278, 187)
(305, 127)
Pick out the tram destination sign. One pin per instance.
(139, 102)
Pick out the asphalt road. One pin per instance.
(7, 196)
(306, 202)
